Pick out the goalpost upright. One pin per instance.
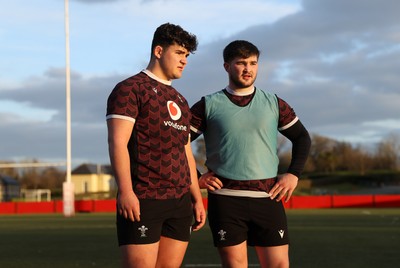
(68, 186)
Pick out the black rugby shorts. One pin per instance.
(260, 221)
(171, 218)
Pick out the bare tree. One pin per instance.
(322, 154)
(52, 178)
(9, 171)
(388, 152)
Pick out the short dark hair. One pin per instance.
(240, 48)
(169, 34)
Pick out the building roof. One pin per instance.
(7, 180)
(92, 169)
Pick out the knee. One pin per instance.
(233, 260)
(274, 262)
(279, 263)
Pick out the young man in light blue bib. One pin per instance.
(240, 124)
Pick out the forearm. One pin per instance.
(300, 152)
(120, 162)
(195, 192)
(119, 132)
(301, 141)
(194, 186)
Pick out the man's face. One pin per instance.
(242, 71)
(173, 60)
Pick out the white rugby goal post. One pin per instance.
(36, 195)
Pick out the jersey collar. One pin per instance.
(150, 74)
(243, 93)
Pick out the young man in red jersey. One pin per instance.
(240, 124)
(148, 135)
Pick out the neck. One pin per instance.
(240, 91)
(156, 69)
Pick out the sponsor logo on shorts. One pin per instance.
(222, 234)
(143, 230)
(281, 233)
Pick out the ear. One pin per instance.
(226, 66)
(158, 50)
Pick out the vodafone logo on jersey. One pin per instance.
(174, 110)
(175, 113)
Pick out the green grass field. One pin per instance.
(319, 238)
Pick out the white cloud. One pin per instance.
(22, 111)
(334, 61)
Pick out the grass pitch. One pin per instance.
(321, 238)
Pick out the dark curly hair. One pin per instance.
(240, 48)
(168, 34)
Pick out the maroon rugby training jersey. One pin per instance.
(159, 167)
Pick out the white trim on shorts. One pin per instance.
(242, 193)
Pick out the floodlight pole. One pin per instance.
(68, 187)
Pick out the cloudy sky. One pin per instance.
(336, 62)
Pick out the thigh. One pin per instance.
(228, 219)
(273, 256)
(234, 256)
(138, 256)
(171, 252)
